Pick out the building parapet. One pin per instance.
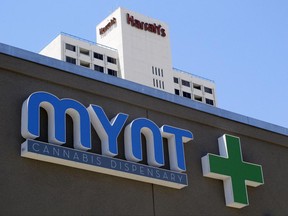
(88, 41)
(185, 72)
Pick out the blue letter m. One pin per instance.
(56, 110)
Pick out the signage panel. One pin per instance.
(102, 164)
(229, 166)
(108, 132)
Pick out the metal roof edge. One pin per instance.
(88, 73)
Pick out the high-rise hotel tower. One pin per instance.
(136, 48)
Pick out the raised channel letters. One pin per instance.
(229, 166)
(108, 132)
(108, 26)
(153, 28)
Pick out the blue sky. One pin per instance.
(241, 45)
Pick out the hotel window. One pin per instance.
(112, 72)
(111, 60)
(197, 98)
(210, 102)
(98, 56)
(163, 85)
(70, 60)
(70, 47)
(197, 86)
(157, 71)
(176, 80)
(98, 68)
(84, 51)
(177, 92)
(208, 90)
(85, 64)
(185, 83)
(186, 94)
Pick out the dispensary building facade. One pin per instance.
(79, 142)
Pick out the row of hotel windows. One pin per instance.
(109, 71)
(87, 52)
(195, 86)
(96, 67)
(196, 97)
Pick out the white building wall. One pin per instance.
(83, 54)
(53, 49)
(113, 42)
(200, 89)
(139, 50)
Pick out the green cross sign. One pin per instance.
(235, 173)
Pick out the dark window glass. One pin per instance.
(112, 72)
(177, 92)
(208, 90)
(98, 56)
(70, 60)
(70, 47)
(98, 68)
(210, 102)
(176, 80)
(111, 60)
(185, 83)
(186, 94)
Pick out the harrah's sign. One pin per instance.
(108, 26)
(108, 132)
(153, 28)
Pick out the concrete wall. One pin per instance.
(56, 49)
(30, 187)
(194, 80)
(138, 49)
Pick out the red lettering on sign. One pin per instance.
(108, 26)
(153, 28)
